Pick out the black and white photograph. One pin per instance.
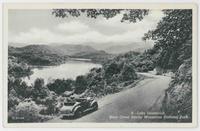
(100, 65)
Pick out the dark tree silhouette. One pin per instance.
(80, 84)
(130, 15)
(173, 36)
(60, 86)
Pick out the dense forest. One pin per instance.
(173, 37)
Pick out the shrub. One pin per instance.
(60, 86)
(26, 111)
(50, 103)
(112, 69)
(13, 100)
(178, 97)
(18, 69)
(80, 84)
(39, 90)
(128, 73)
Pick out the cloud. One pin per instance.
(34, 35)
(114, 26)
(80, 32)
(43, 36)
(73, 27)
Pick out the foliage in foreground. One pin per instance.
(128, 15)
(173, 37)
(26, 111)
(178, 98)
(39, 102)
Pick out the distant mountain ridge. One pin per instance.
(137, 47)
(55, 54)
(111, 48)
(74, 49)
(60, 49)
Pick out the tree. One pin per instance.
(39, 90)
(60, 86)
(128, 73)
(112, 69)
(50, 103)
(130, 15)
(18, 69)
(171, 35)
(80, 84)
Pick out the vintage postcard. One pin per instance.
(100, 65)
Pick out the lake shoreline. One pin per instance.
(69, 60)
(68, 70)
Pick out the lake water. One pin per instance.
(70, 69)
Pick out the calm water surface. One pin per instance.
(70, 69)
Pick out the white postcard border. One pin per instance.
(192, 6)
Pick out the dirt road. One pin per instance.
(146, 96)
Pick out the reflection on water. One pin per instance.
(70, 69)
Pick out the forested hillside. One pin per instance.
(141, 62)
(98, 56)
(56, 54)
(37, 55)
(134, 46)
(173, 37)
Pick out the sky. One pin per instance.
(41, 27)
